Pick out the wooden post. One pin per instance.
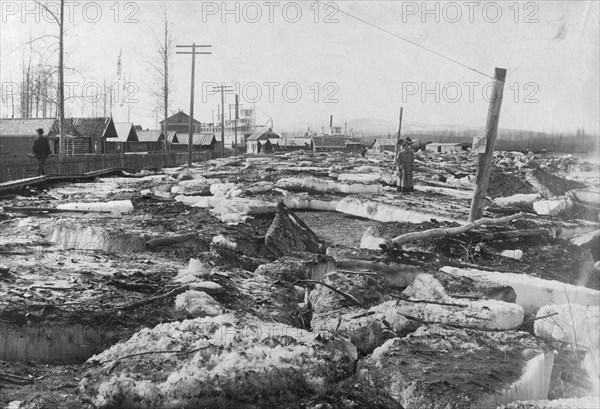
(191, 133)
(223, 121)
(396, 149)
(399, 131)
(237, 105)
(485, 159)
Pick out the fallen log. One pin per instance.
(515, 328)
(14, 379)
(29, 209)
(515, 234)
(150, 300)
(169, 241)
(452, 231)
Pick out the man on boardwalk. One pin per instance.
(41, 149)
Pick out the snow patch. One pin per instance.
(115, 207)
(520, 199)
(196, 304)
(514, 254)
(553, 207)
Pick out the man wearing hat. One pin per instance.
(405, 161)
(41, 149)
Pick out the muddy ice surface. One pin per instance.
(261, 282)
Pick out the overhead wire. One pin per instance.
(407, 40)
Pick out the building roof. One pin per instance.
(151, 135)
(263, 134)
(180, 118)
(198, 139)
(102, 127)
(444, 144)
(125, 133)
(385, 142)
(28, 126)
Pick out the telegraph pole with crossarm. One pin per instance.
(193, 53)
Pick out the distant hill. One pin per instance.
(508, 139)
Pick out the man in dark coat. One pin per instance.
(405, 160)
(41, 149)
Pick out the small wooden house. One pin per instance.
(150, 140)
(126, 134)
(88, 135)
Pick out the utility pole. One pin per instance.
(485, 159)
(236, 107)
(237, 116)
(222, 89)
(193, 53)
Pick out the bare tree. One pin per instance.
(164, 49)
(59, 19)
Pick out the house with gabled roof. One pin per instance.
(382, 144)
(180, 123)
(126, 134)
(260, 141)
(88, 135)
(17, 135)
(150, 140)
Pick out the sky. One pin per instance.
(298, 62)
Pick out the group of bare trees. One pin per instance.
(37, 89)
(41, 92)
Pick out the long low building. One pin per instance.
(200, 141)
(17, 135)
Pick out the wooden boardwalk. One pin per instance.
(16, 175)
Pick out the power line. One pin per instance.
(409, 41)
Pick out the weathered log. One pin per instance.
(515, 234)
(452, 231)
(171, 240)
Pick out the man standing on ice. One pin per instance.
(405, 161)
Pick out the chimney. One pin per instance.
(331, 121)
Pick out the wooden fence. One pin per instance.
(81, 165)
